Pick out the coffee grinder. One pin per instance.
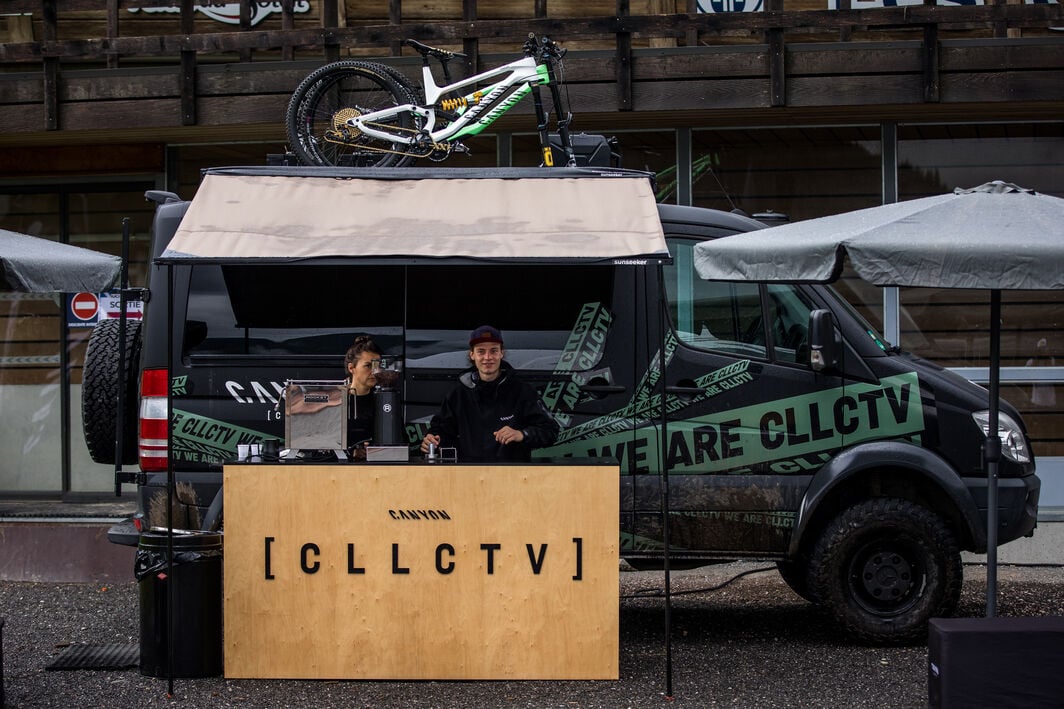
(388, 444)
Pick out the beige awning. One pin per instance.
(290, 214)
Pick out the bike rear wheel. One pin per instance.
(329, 96)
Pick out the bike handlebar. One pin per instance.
(543, 48)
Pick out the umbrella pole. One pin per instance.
(664, 457)
(992, 454)
(169, 483)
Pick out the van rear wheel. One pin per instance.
(884, 568)
(99, 391)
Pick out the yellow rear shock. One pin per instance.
(453, 104)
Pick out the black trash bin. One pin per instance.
(197, 603)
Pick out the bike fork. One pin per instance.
(543, 125)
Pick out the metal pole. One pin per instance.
(120, 419)
(169, 482)
(663, 319)
(992, 453)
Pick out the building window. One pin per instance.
(952, 326)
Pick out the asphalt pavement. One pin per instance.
(740, 638)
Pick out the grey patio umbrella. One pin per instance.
(996, 237)
(34, 265)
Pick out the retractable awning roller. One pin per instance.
(551, 215)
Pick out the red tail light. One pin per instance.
(154, 420)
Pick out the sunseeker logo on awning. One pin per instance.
(229, 12)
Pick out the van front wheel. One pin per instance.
(884, 568)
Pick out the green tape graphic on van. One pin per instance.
(199, 439)
(642, 409)
(582, 351)
(805, 427)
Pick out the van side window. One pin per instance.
(713, 315)
(727, 317)
(291, 310)
(789, 315)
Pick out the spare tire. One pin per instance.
(99, 391)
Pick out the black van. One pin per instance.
(858, 470)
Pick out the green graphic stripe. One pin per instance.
(804, 428)
(206, 440)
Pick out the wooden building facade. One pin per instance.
(805, 107)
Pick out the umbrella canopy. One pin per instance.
(996, 236)
(35, 265)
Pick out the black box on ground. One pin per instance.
(996, 662)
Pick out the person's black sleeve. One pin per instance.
(538, 425)
(445, 422)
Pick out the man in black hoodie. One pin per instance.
(491, 416)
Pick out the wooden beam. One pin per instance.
(395, 17)
(470, 45)
(112, 31)
(623, 61)
(187, 77)
(330, 21)
(914, 17)
(50, 68)
(288, 22)
(245, 25)
(777, 54)
(930, 61)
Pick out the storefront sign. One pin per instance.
(229, 12)
(421, 572)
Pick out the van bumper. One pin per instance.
(1017, 505)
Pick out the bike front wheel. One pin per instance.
(331, 95)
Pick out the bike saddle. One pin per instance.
(427, 51)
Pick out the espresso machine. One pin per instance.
(389, 442)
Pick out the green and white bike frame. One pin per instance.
(472, 112)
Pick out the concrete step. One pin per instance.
(55, 541)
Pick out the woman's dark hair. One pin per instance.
(362, 343)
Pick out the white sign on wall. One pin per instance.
(229, 12)
(866, 4)
(731, 5)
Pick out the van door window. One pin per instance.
(728, 318)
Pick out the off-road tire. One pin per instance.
(99, 391)
(884, 568)
(311, 107)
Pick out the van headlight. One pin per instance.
(1013, 442)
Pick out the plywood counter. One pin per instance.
(421, 571)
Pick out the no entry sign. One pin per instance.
(84, 307)
(87, 309)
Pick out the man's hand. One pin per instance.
(507, 435)
(429, 438)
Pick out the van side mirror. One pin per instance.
(823, 348)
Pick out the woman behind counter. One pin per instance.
(361, 361)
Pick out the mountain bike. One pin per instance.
(366, 114)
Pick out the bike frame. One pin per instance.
(477, 110)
